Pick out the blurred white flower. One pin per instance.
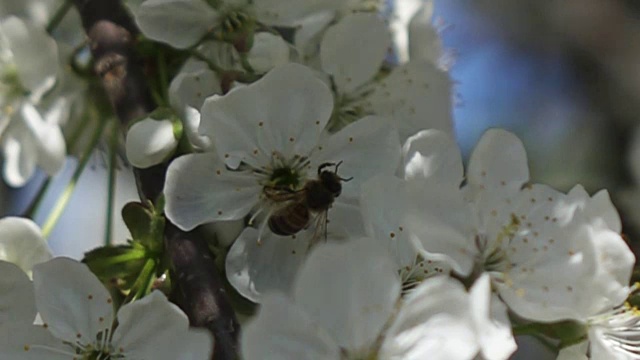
(22, 243)
(342, 306)
(17, 301)
(28, 68)
(79, 322)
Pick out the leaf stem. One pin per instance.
(111, 184)
(63, 200)
(59, 15)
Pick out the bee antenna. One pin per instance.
(337, 165)
(345, 179)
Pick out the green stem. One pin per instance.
(63, 200)
(143, 283)
(111, 185)
(34, 207)
(212, 65)
(59, 15)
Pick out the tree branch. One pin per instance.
(199, 287)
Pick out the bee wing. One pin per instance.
(320, 228)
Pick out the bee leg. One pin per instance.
(263, 226)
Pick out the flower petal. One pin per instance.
(149, 142)
(254, 269)
(31, 342)
(433, 154)
(417, 96)
(48, 138)
(179, 23)
(159, 336)
(282, 331)
(22, 243)
(20, 156)
(71, 300)
(367, 147)
(17, 300)
(191, 88)
(350, 289)
(492, 324)
(287, 13)
(200, 189)
(353, 50)
(250, 123)
(499, 159)
(434, 323)
(440, 224)
(35, 53)
(424, 40)
(267, 52)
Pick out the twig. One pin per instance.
(111, 35)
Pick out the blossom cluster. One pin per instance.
(317, 138)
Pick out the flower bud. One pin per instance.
(149, 142)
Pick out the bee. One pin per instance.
(301, 206)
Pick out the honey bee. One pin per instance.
(301, 206)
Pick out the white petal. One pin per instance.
(34, 53)
(367, 147)
(350, 289)
(150, 142)
(71, 300)
(287, 13)
(191, 88)
(433, 154)
(20, 156)
(424, 40)
(432, 323)
(153, 337)
(22, 243)
(17, 301)
(49, 140)
(283, 331)
(417, 96)
(191, 122)
(353, 50)
(492, 323)
(384, 204)
(179, 23)
(254, 269)
(267, 52)
(285, 111)
(309, 31)
(498, 158)
(31, 342)
(196, 344)
(440, 222)
(200, 189)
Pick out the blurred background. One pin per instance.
(563, 75)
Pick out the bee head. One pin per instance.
(330, 179)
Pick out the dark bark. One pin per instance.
(199, 288)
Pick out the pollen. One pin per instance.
(392, 235)
(350, 139)
(292, 139)
(27, 347)
(260, 123)
(90, 297)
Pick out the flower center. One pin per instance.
(285, 178)
(494, 254)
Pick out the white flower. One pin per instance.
(551, 256)
(78, 322)
(344, 299)
(28, 67)
(267, 52)
(267, 133)
(22, 243)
